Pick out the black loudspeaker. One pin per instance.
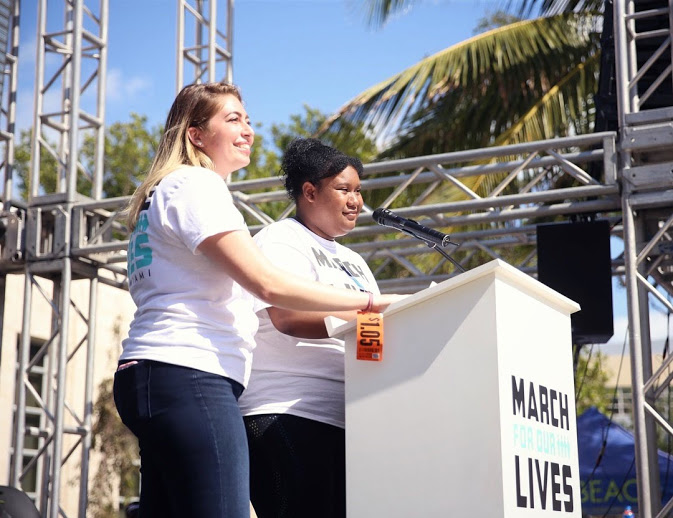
(574, 259)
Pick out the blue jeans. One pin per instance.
(193, 447)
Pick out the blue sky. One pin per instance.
(287, 53)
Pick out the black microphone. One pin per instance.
(387, 218)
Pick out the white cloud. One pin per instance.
(120, 88)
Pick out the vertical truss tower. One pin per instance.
(70, 61)
(202, 46)
(643, 52)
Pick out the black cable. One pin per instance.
(606, 430)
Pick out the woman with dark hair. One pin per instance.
(294, 405)
(191, 268)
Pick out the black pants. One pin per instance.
(297, 467)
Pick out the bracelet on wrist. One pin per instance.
(370, 303)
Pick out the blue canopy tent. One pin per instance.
(608, 474)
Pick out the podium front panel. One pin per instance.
(432, 429)
(538, 424)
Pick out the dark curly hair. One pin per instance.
(309, 160)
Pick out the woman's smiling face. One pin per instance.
(334, 204)
(227, 138)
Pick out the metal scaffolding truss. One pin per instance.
(70, 62)
(8, 90)
(622, 176)
(483, 225)
(646, 170)
(208, 46)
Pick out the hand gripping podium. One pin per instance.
(471, 412)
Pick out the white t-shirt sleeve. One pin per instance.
(199, 205)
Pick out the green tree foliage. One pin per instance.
(48, 171)
(590, 381)
(129, 150)
(266, 156)
(117, 449)
(493, 20)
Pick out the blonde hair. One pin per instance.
(193, 107)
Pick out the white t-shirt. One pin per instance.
(190, 312)
(297, 376)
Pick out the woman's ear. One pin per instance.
(309, 191)
(194, 135)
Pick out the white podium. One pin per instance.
(471, 412)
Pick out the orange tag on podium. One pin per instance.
(369, 337)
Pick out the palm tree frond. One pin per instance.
(520, 55)
(379, 11)
(459, 121)
(556, 108)
(552, 7)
